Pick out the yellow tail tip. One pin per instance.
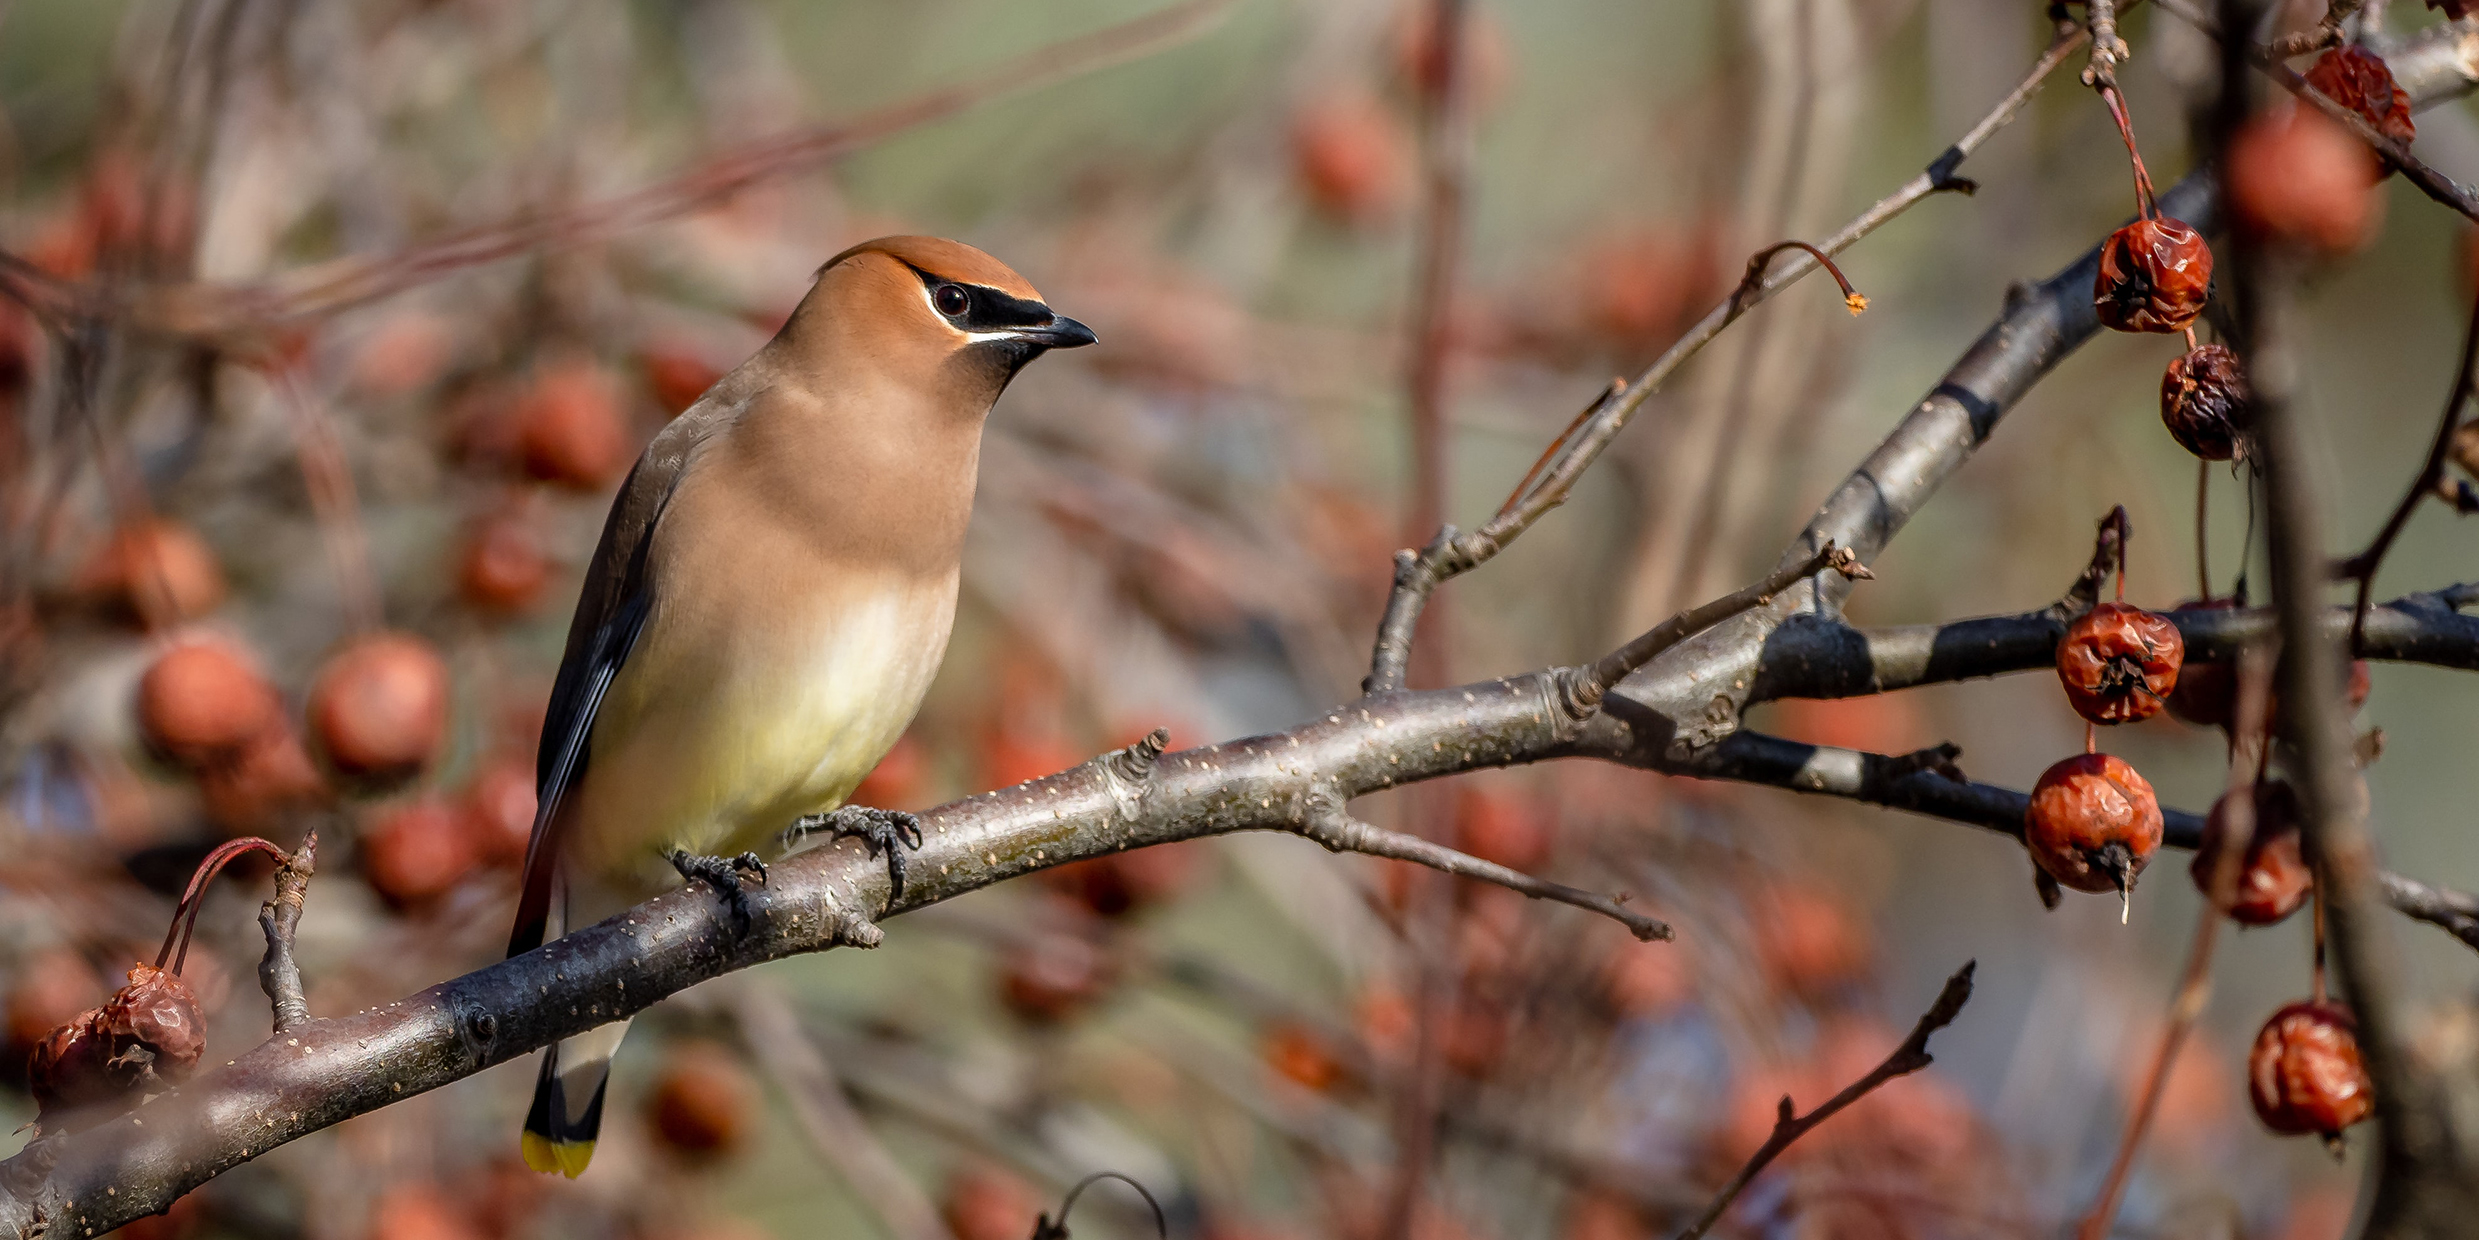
(568, 1158)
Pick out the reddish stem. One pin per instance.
(2147, 204)
(185, 913)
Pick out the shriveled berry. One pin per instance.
(379, 709)
(2119, 663)
(157, 1031)
(2359, 80)
(70, 1067)
(2093, 823)
(203, 701)
(2304, 181)
(2154, 277)
(2206, 403)
(2274, 881)
(2304, 1073)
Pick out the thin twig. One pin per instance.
(2195, 985)
(278, 973)
(2363, 566)
(1453, 553)
(1789, 1126)
(1340, 832)
(1587, 686)
(2324, 34)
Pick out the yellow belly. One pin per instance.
(777, 710)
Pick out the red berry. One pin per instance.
(2359, 80)
(499, 811)
(419, 1212)
(71, 1067)
(2206, 403)
(986, 1203)
(2275, 880)
(2305, 1074)
(702, 1105)
(1299, 1055)
(570, 430)
(2119, 663)
(502, 567)
(379, 709)
(677, 374)
(202, 703)
(155, 572)
(416, 853)
(52, 988)
(2093, 823)
(2154, 277)
(1501, 827)
(2302, 180)
(272, 776)
(1808, 942)
(1352, 158)
(1421, 61)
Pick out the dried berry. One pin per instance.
(2305, 1074)
(156, 1029)
(2119, 663)
(202, 702)
(2093, 823)
(51, 989)
(2154, 277)
(2206, 403)
(2275, 880)
(417, 853)
(702, 1105)
(70, 1068)
(379, 709)
(2359, 80)
(2303, 180)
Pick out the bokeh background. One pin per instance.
(1189, 526)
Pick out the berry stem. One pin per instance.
(2203, 528)
(194, 898)
(2091, 737)
(2316, 899)
(2147, 204)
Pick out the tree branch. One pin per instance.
(1907, 1058)
(278, 974)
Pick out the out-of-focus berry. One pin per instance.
(983, 1202)
(2303, 180)
(2305, 1075)
(2093, 823)
(499, 811)
(2155, 275)
(419, 1212)
(379, 708)
(416, 852)
(1049, 975)
(407, 352)
(570, 430)
(2118, 663)
(155, 571)
(1647, 980)
(1352, 156)
(1420, 56)
(900, 780)
(2274, 880)
(51, 988)
(1809, 942)
(1501, 826)
(1300, 1056)
(703, 1104)
(202, 701)
(502, 567)
(677, 373)
(271, 778)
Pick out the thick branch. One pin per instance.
(1788, 1126)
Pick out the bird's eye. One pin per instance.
(952, 301)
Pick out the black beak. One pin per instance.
(1061, 332)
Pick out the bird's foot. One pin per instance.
(723, 874)
(886, 831)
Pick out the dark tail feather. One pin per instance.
(557, 1137)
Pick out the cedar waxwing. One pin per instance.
(770, 598)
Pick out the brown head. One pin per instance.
(935, 312)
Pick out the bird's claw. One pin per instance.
(723, 874)
(885, 832)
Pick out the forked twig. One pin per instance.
(1789, 1126)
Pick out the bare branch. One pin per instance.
(1907, 1058)
(278, 974)
(1340, 832)
(2363, 566)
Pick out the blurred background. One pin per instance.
(315, 569)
